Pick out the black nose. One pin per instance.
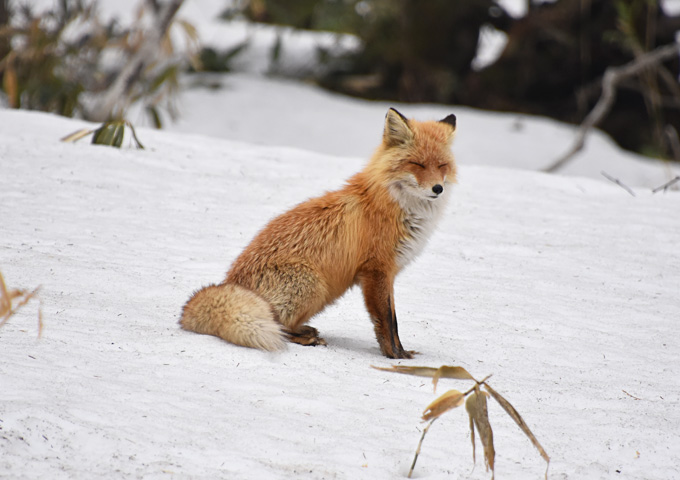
(437, 189)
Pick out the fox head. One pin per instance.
(416, 157)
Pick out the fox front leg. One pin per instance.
(379, 297)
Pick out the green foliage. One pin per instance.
(109, 133)
(212, 60)
(632, 22)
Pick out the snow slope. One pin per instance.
(566, 289)
(249, 106)
(277, 112)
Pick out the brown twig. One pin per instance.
(420, 444)
(667, 185)
(618, 182)
(631, 396)
(610, 80)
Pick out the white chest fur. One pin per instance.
(420, 219)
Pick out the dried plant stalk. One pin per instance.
(7, 297)
(476, 406)
(420, 444)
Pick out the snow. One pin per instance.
(564, 288)
(271, 111)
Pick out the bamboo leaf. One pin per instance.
(155, 117)
(75, 136)
(5, 299)
(7, 310)
(163, 77)
(107, 135)
(479, 416)
(234, 51)
(189, 30)
(472, 438)
(510, 410)
(446, 371)
(417, 371)
(99, 134)
(118, 132)
(450, 400)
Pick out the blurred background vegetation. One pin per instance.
(65, 60)
(552, 64)
(408, 51)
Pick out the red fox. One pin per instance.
(362, 234)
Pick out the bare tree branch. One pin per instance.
(612, 76)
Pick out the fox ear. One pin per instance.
(451, 120)
(397, 130)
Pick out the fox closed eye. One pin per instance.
(416, 163)
(443, 165)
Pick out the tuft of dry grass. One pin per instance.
(475, 401)
(12, 300)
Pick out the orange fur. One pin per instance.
(364, 234)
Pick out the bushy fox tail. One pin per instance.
(234, 314)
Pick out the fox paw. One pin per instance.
(405, 354)
(305, 335)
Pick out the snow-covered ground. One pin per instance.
(276, 112)
(564, 288)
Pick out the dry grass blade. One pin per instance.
(479, 418)
(518, 420)
(445, 371)
(75, 136)
(450, 400)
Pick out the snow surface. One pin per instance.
(271, 111)
(564, 288)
